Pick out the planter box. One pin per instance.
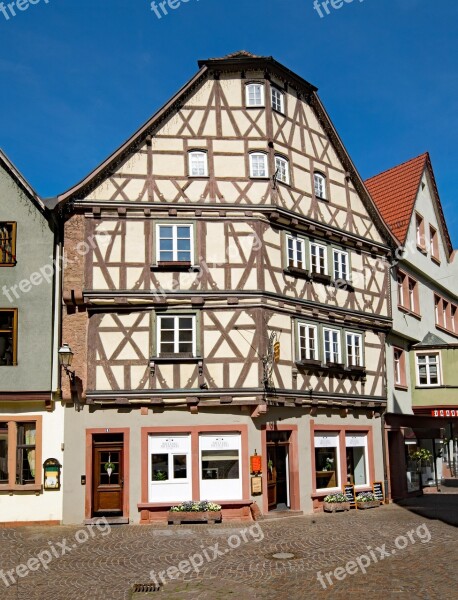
(336, 506)
(364, 505)
(193, 517)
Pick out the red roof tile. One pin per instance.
(395, 191)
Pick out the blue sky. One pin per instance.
(77, 77)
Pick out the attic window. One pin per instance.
(255, 95)
(7, 244)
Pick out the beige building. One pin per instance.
(226, 295)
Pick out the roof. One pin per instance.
(395, 192)
(21, 180)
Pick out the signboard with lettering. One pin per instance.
(256, 485)
(349, 491)
(378, 489)
(443, 412)
(256, 463)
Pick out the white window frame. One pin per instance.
(327, 439)
(176, 343)
(319, 182)
(303, 332)
(259, 102)
(338, 269)
(428, 355)
(319, 247)
(295, 246)
(171, 490)
(254, 175)
(397, 357)
(278, 99)
(199, 155)
(174, 250)
(221, 489)
(282, 169)
(333, 355)
(350, 341)
(363, 437)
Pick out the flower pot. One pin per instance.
(177, 517)
(336, 506)
(364, 505)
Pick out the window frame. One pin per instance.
(326, 261)
(258, 153)
(175, 250)
(428, 354)
(360, 336)
(317, 353)
(262, 86)
(340, 357)
(434, 244)
(335, 434)
(12, 424)
(322, 176)
(446, 315)
(192, 153)
(285, 161)
(401, 363)
(15, 334)
(13, 261)
(408, 299)
(420, 235)
(275, 90)
(365, 445)
(340, 252)
(176, 340)
(296, 240)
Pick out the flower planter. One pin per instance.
(176, 517)
(336, 506)
(364, 505)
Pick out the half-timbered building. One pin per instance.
(226, 296)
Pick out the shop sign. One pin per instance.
(256, 463)
(453, 413)
(256, 485)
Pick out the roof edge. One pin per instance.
(21, 180)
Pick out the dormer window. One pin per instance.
(255, 94)
(278, 100)
(198, 164)
(320, 185)
(258, 165)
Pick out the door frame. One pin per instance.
(89, 468)
(293, 460)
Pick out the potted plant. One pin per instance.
(336, 502)
(422, 457)
(109, 468)
(201, 511)
(366, 500)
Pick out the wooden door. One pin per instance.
(108, 479)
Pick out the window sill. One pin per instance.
(321, 198)
(436, 260)
(428, 387)
(445, 330)
(285, 183)
(30, 487)
(176, 358)
(175, 266)
(309, 363)
(422, 249)
(260, 107)
(266, 178)
(279, 112)
(13, 264)
(297, 271)
(409, 312)
(401, 388)
(320, 278)
(204, 177)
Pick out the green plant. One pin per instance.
(196, 506)
(160, 476)
(109, 465)
(366, 497)
(336, 498)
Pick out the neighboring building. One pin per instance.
(422, 348)
(233, 219)
(31, 422)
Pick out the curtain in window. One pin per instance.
(30, 439)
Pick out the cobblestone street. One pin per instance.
(109, 563)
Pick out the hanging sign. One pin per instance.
(256, 464)
(256, 485)
(51, 479)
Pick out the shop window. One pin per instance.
(357, 459)
(176, 335)
(20, 454)
(4, 453)
(170, 468)
(327, 461)
(7, 244)
(174, 243)
(220, 467)
(8, 337)
(296, 252)
(428, 370)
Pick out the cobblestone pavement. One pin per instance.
(107, 565)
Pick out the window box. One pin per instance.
(333, 366)
(321, 277)
(359, 369)
(364, 505)
(310, 363)
(194, 517)
(174, 266)
(336, 506)
(297, 272)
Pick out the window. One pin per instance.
(428, 369)
(354, 349)
(341, 270)
(20, 453)
(318, 259)
(255, 94)
(170, 468)
(327, 461)
(420, 231)
(308, 342)
(296, 252)
(277, 100)
(399, 368)
(258, 164)
(320, 185)
(357, 459)
(175, 243)
(220, 467)
(408, 293)
(198, 164)
(8, 337)
(332, 346)
(7, 244)
(282, 169)
(434, 244)
(176, 335)
(446, 314)
(454, 318)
